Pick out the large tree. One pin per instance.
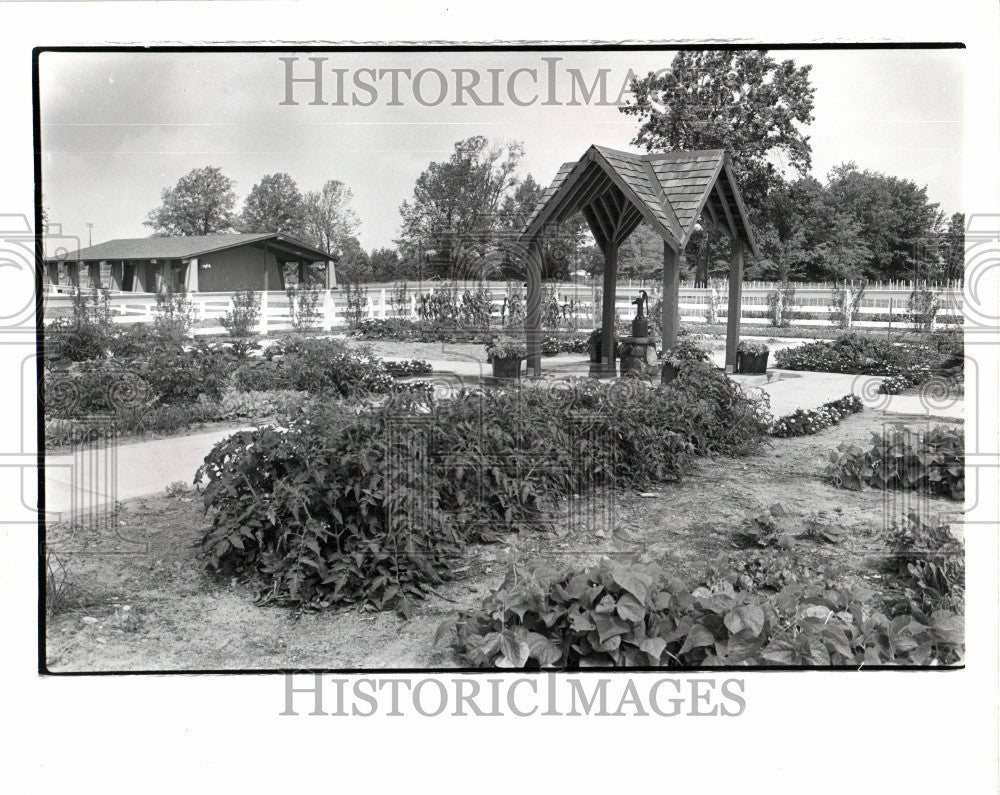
(743, 101)
(329, 218)
(273, 205)
(201, 203)
(455, 218)
(896, 221)
(953, 248)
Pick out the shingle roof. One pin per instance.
(182, 246)
(670, 189)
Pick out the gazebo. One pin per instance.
(616, 191)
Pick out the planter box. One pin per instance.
(747, 364)
(507, 368)
(669, 373)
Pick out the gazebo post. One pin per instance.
(533, 308)
(735, 303)
(608, 308)
(670, 304)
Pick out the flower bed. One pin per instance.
(804, 422)
(374, 506)
(610, 615)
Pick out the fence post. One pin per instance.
(329, 310)
(263, 313)
(381, 311)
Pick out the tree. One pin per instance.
(953, 248)
(329, 218)
(455, 218)
(385, 265)
(742, 101)
(896, 221)
(201, 203)
(273, 205)
(354, 265)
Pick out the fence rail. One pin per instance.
(885, 305)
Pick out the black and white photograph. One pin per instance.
(618, 371)
(644, 358)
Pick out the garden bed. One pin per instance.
(179, 617)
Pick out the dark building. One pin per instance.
(197, 263)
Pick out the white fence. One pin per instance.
(880, 306)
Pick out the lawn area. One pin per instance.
(142, 600)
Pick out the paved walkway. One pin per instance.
(144, 468)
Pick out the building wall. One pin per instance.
(240, 268)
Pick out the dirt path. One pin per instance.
(180, 618)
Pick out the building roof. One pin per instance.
(617, 190)
(188, 246)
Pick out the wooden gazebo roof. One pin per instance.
(617, 190)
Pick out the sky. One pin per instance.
(118, 128)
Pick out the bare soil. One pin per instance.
(179, 617)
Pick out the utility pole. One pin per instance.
(90, 234)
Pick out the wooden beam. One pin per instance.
(595, 227)
(670, 317)
(735, 303)
(576, 195)
(533, 313)
(608, 308)
(733, 229)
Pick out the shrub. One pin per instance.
(803, 422)
(610, 615)
(506, 348)
(930, 563)
(752, 348)
(332, 510)
(856, 354)
(241, 321)
(174, 313)
(303, 306)
(404, 369)
(317, 366)
(904, 459)
(323, 511)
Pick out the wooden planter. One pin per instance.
(749, 364)
(507, 368)
(669, 373)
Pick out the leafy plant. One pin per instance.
(173, 313)
(930, 563)
(900, 458)
(752, 348)
(303, 306)
(506, 348)
(803, 422)
(474, 466)
(611, 615)
(241, 321)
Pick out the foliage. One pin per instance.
(303, 306)
(328, 219)
(85, 334)
(845, 304)
(455, 215)
(930, 563)
(371, 505)
(316, 366)
(506, 348)
(924, 306)
(174, 313)
(857, 354)
(274, 205)
(356, 297)
(742, 101)
(685, 352)
(931, 461)
(201, 203)
(241, 321)
(752, 348)
(803, 422)
(610, 615)
(401, 369)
